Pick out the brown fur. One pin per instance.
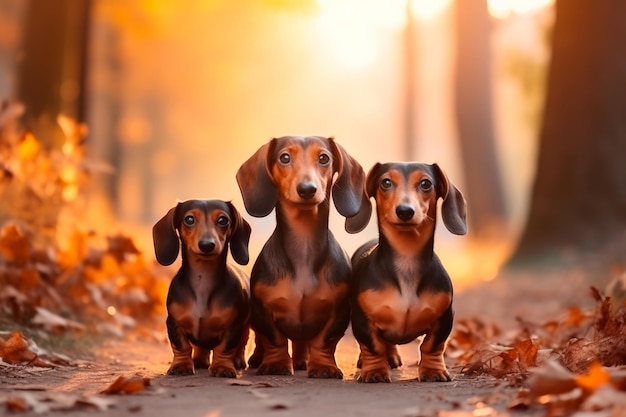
(400, 289)
(300, 279)
(208, 299)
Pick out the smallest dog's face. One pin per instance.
(406, 195)
(205, 228)
(302, 169)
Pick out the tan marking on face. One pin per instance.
(205, 226)
(304, 165)
(401, 317)
(406, 235)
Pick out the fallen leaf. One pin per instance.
(594, 378)
(124, 385)
(15, 245)
(550, 379)
(16, 404)
(605, 398)
(15, 350)
(53, 322)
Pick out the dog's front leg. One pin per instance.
(322, 362)
(276, 359)
(223, 361)
(432, 366)
(374, 363)
(182, 364)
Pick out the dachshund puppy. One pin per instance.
(299, 282)
(208, 303)
(400, 289)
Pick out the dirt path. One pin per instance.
(250, 395)
(55, 391)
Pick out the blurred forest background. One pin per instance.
(115, 110)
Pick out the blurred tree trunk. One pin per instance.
(52, 72)
(578, 201)
(483, 184)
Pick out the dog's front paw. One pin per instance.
(324, 371)
(223, 371)
(275, 368)
(434, 375)
(181, 368)
(375, 375)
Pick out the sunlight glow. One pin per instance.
(354, 27)
(501, 9)
(428, 9)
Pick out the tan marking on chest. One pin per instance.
(300, 302)
(202, 322)
(402, 315)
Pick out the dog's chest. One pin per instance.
(399, 312)
(201, 315)
(302, 299)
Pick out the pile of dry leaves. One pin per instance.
(93, 283)
(574, 363)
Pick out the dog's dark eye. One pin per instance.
(223, 221)
(386, 184)
(284, 158)
(426, 185)
(189, 220)
(323, 159)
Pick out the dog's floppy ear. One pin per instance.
(371, 184)
(453, 209)
(240, 237)
(257, 188)
(348, 190)
(166, 242)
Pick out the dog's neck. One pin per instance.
(410, 251)
(203, 273)
(302, 229)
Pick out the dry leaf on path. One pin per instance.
(124, 385)
(15, 350)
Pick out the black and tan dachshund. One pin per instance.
(400, 289)
(208, 302)
(299, 282)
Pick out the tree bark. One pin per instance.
(483, 184)
(578, 202)
(52, 73)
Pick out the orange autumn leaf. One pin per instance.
(15, 245)
(550, 379)
(29, 147)
(527, 351)
(595, 377)
(15, 350)
(16, 404)
(124, 385)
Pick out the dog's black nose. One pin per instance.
(405, 212)
(206, 245)
(306, 190)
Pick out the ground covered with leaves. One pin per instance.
(566, 360)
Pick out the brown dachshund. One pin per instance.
(208, 303)
(300, 279)
(400, 289)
